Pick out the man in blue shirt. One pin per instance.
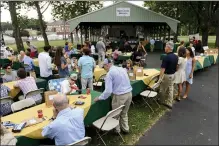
(68, 124)
(117, 83)
(28, 61)
(168, 69)
(86, 66)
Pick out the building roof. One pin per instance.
(137, 14)
(56, 23)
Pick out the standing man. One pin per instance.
(86, 66)
(45, 64)
(152, 41)
(168, 69)
(117, 83)
(33, 49)
(101, 49)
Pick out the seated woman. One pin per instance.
(7, 138)
(129, 65)
(27, 84)
(5, 107)
(9, 74)
(61, 63)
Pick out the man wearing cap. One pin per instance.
(168, 69)
(101, 48)
(117, 83)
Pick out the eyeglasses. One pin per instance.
(8, 68)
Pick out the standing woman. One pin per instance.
(61, 63)
(190, 66)
(180, 75)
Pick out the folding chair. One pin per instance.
(5, 105)
(54, 84)
(26, 66)
(151, 91)
(99, 82)
(81, 142)
(22, 104)
(34, 93)
(108, 123)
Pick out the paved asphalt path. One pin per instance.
(193, 121)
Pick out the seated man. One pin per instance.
(28, 61)
(68, 124)
(21, 56)
(27, 84)
(9, 74)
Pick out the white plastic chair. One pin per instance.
(151, 91)
(108, 123)
(34, 93)
(81, 142)
(22, 104)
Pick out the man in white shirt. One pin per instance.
(45, 64)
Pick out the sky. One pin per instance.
(5, 14)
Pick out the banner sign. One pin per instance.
(122, 11)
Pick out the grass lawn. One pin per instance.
(140, 120)
(40, 44)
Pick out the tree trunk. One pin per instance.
(217, 37)
(42, 27)
(177, 33)
(205, 36)
(16, 28)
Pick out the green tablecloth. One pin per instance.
(123, 58)
(207, 61)
(41, 83)
(4, 61)
(211, 59)
(198, 66)
(16, 65)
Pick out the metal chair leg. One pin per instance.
(100, 137)
(148, 105)
(121, 137)
(156, 102)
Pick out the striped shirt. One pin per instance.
(26, 85)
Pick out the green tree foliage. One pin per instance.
(195, 16)
(65, 10)
(38, 5)
(6, 26)
(29, 23)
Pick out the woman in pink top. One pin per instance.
(27, 84)
(116, 54)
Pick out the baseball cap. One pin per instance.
(106, 61)
(73, 76)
